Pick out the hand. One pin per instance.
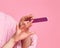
(25, 25)
(21, 30)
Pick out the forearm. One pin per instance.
(10, 43)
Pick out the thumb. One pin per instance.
(18, 31)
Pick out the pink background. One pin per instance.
(48, 32)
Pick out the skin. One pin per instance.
(27, 41)
(22, 33)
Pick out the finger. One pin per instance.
(31, 21)
(29, 24)
(29, 16)
(17, 26)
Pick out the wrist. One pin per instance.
(14, 40)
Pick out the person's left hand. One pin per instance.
(21, 31)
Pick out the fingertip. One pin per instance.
(31, 20)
